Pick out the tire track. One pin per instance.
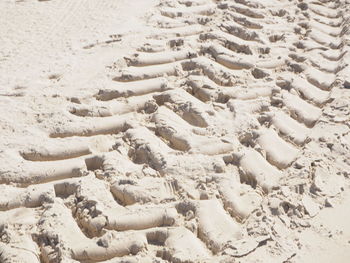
(211, 115)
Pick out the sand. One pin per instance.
(174, 131)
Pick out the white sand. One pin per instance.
(174, 131)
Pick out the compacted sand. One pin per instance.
(174, 131)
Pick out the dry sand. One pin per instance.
(174, 131)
